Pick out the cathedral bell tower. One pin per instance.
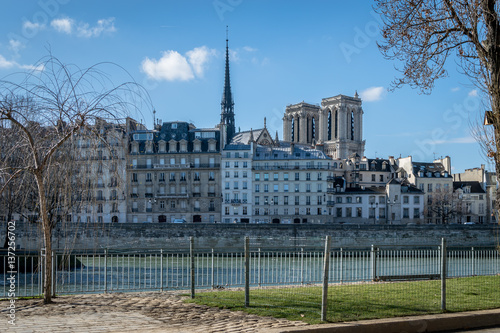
(227, 125)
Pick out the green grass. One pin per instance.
(351, 302)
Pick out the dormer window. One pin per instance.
(172, 146)
(135, 147)
(149, 147)
(162, 146)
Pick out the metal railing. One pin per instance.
(159, 269)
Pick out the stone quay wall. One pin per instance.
(231, 236)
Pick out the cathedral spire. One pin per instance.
(227, 103)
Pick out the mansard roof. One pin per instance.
(433, 168)
(284, 153)
(475, 187)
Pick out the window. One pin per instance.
(359, 199)
(257, 177)
(308, 176)
(373, 177)
(172, 204)
(226, 210)
(339, 199)
(266, 177)
(266, 187)
(297, 187)
(348, 212)
(162, 204)
(320, 187)
(183, 176)
(161, 177)
(308, 211)
(227, 186)
(276, 200)
(285, 187)
(381, 178)
(257, 200)
(406, 213)
(275, 188)
(429, 187)
(257, 188)
(308, 200)
(416, 200)
(149, 178)
(228, 174)
(275, 176)
(416, 213)
(320, 176)
(236, 164)
(196, 176)
(172, 177)
(245, 164)
(297, 200)
(348, 199)
(297, 176)
(285, 200)
(245, 210)
(339, 212)
(406, 199)
(245, 174)
(359, 212)
(308, 187)
(134, 178)
(245, 185)
(228, 154)
(285, 176)
(235, 185)
(211, 176)
(228, 165)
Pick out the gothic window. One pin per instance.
(335, 124)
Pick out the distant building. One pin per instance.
(336, 126)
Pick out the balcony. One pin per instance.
(172, 195)
(148, 195)
(171, 166)
(196, 194)
(196, 209)
(206, 166)
(330, 203)
(135, 210)
(211, 194)
(236, 201)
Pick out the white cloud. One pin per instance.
(6, 64)
(103, 26)
(83, 29)
(462, 140)
(31, 26)
(473, 93)
(372, 94)
(249, 49)
(16, 45)
(171, 66)
(64, 25)
(198, 57)
(455, 89)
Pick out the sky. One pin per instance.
(281, 52)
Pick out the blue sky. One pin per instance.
(282, 52)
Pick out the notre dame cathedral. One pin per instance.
(336, 126)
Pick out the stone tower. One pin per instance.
(337, 125)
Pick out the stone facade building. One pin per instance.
(174, 174)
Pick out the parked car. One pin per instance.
(179, 221)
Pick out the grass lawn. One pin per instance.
(350, 302)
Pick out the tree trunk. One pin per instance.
(47, 240)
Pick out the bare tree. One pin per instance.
(50, 109)
(445, 205)
(425, 34)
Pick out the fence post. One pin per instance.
(473, 264)
(302, 266)
(373, 257)
(247, 271)
(326, 269)
(191, 255)
(161, 269)
(40, 271)
(213, 273)
(105, 271)
(54, 276)
(260, 269)
(443, 274)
